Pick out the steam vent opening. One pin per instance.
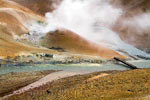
(50, 46)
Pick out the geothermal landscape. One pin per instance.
(74, 49)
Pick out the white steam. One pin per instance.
(91, 19)
(143, 21)
(139, 23)
(79, 15)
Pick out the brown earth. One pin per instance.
(13, 81)
(126, 85)
(76, 44)
(39, 6)
(13, 18)
(11, 4)
(133, 7)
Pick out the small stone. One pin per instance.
(48, 91)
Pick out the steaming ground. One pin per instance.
(93, 20)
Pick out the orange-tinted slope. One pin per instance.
(12, 24)
(16, 6)
(76, 44)
(13, 18)
(10, 47)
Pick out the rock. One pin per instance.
(49, 55)
(48, 91)
(58, 49)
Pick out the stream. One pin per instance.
(75, 67)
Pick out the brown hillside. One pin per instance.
(10, 23)
(132, 7)
(38, 6)
(9, 47)
(76, 44)
(13, 18)
(11, 4)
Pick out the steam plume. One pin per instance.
(91, 19)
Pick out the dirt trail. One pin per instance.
(49, 78)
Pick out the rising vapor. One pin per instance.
(93, 20)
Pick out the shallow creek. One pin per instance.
(75, 67)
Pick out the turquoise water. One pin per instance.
(77, 67)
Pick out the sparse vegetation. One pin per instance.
(118, 86)
(13, 81)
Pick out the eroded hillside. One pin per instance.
(13, 20)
